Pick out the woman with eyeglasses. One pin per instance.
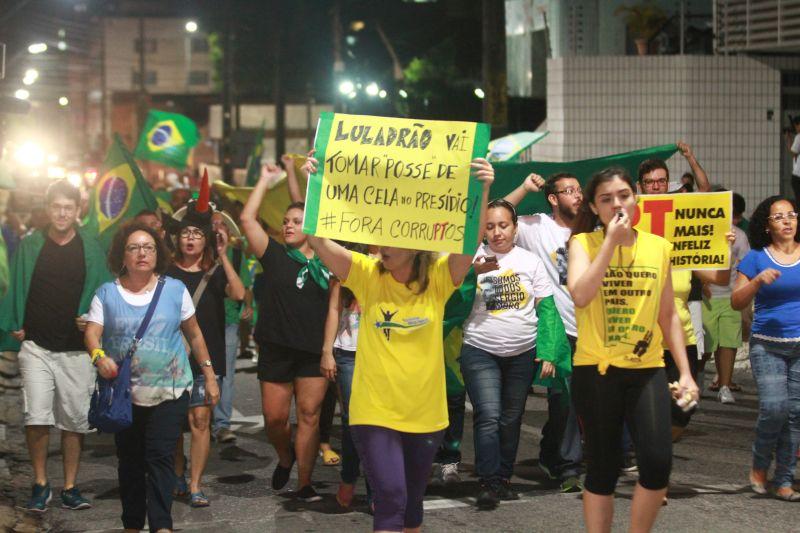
(499, 354)
(770, 274)
(161, 378)
(201, 259)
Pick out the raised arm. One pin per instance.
(700, 177)
(234, 288)
(532, 183)
(252, 229)
(295, 194)
(336, 257)
(459, 263)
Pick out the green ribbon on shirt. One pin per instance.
(313, 267)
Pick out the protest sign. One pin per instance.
(695, 224)
(396, 182)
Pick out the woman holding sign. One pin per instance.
(398, 408)
(619, 279)
(289, 332)
(770, 273)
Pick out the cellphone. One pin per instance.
(619, 214)
(490, 258)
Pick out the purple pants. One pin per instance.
(397, 466)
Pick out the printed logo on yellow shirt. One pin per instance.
(406, 324)
(503, 292)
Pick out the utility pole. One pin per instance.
(493, 59)
(277, 84)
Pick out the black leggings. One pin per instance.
(680, 418)
(639, 398)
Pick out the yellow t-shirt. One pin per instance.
(682, 286)
(619, 327)
(399, 379)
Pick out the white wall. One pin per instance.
(604, 105)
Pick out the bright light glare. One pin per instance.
(372, 89)
(90, 176)
(22, 94)
(63, 101)
(351, 95)
(346, 87)
(37, 48)
(191, 26)
(74, 178)
(479, 93)
(58, 173)
(382, 93)
(62, 45)
(29, 154)
(402, 93)
(52, 158)
(31, 74)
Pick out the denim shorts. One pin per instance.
(198, 397)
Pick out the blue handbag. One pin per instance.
(110, 410)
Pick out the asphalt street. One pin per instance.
(709, 490)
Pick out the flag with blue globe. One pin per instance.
(167, 138)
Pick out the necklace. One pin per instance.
(633, 253)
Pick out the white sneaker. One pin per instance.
(450, 473)
(254, 359)
(725, 395)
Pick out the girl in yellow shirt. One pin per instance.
(620, 281)
(398, 407)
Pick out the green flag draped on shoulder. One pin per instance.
(118, 195)
(167, 138)
(509, 175)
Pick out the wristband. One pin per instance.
(97, 353)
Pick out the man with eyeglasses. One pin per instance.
(546, 236)
(53, 278)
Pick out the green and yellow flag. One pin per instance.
(167, 138)
(118, 195)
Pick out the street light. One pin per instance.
(37, 48)
(62, 45)
(31, 75)
(372, 89)
(402, 93)
(382, 93)
(479, 93)
(63, 101)
(346, 87)
(191, 26)
(21, 94)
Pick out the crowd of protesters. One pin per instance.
(367, 325)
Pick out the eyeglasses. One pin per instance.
(571, 191)
(659, 181)
(777, 217)
(148, 249)
(194, 233)
(56, 208)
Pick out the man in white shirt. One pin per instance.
(546, 235)
(793, 144)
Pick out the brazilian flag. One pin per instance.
(167, 138)
(119, 194)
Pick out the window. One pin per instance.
(199, 45)
(151, 46)
(198, 77)
(151, 78)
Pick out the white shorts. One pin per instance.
(56, 387)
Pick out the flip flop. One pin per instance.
(330, 457)
(199, 500)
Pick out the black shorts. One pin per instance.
(282, 364)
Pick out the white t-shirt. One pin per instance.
(503, 318)
(796, 159)
(96, 309)
(738, 251)
(541, 235)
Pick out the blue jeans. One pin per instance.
(450, 450)
(345, 366)
(224, 408)
(498, 389)
(776, 369)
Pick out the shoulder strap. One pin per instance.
(201, 287)
(147, 316)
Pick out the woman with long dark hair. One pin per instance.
(770, 274)
(620, 281)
